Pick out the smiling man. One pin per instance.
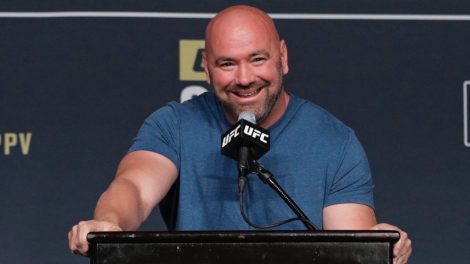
(315, 157)
(246, 63)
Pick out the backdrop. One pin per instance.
(76, 86)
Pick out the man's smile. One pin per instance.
(247, 93)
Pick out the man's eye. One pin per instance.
(259, 60)
(226, 65)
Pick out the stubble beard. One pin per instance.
(262, 112)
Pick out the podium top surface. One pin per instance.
(242, 236)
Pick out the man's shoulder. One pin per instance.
(315, 116)
(201, 101)
(198, 106)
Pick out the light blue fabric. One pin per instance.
(313, 156)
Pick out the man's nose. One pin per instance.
(245, 75)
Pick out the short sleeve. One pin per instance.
(351, 180)
(160, 134)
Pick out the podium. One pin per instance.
(287, 247)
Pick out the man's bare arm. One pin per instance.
(348, 217)
(143, 178)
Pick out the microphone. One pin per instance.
(245, 142)
(245, 133)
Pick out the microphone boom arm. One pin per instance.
(267, 177)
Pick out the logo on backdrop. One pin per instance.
(466, 123)
(13, 142)
(191, 68)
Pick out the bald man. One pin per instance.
(315, 157)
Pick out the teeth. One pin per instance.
(247, 94)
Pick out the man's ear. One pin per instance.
(205, 63)
(284, 57)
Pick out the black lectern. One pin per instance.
(286, 247)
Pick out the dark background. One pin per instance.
(82, 87)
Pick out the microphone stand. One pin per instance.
(244, 167)
(267, 177)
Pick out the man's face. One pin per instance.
(245, 66)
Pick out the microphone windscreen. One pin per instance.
(248, 116)
(245, 133)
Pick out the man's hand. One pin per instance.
(77, 235)
(401, 249)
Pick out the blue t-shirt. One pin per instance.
(313, 156)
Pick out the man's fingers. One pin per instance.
(401, 249)
(69, 235)
(70, 240)
(78, 243)
(77, 238)
(400, 244)
(406, 253)
(401, 260)
(73, 238)
(82, 231)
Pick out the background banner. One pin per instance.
(76, 82)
